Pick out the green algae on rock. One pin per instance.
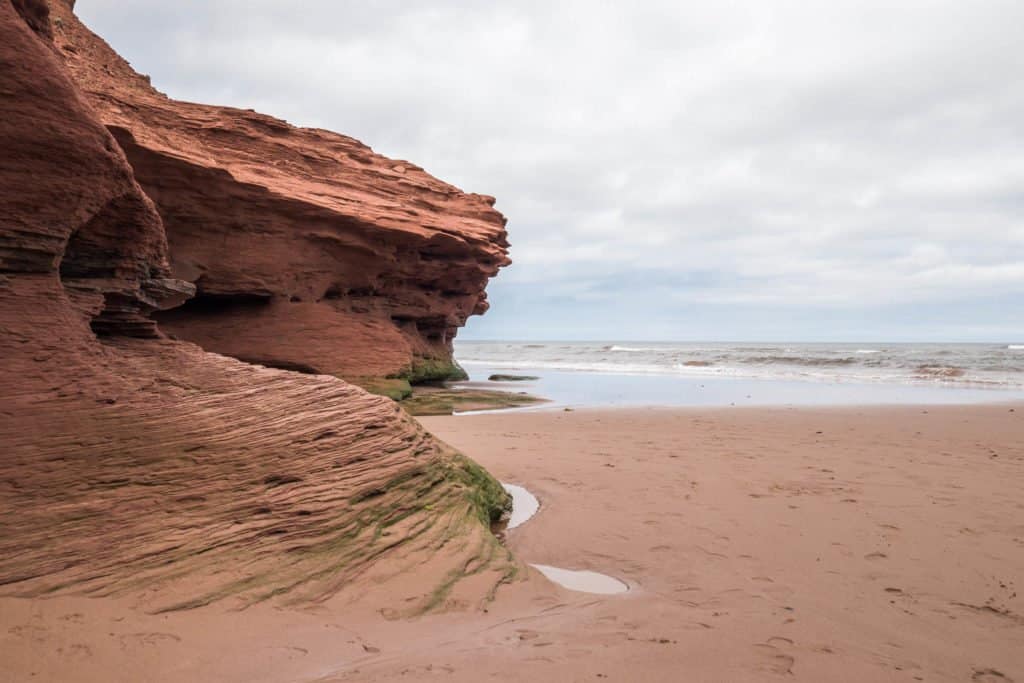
(446, 401)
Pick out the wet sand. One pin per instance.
(826, 544)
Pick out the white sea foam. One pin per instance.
(609, 368)
(868, 351)
(1016, 347)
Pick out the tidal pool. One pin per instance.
(524, 506)
(582, 580)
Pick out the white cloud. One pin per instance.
(849, 155)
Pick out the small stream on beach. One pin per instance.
(524, 506)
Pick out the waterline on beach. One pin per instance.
(566, 389)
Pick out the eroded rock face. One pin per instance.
(308, 250)
(136, 464)
(70, 206)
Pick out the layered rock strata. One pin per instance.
(308, 251)
(135, 464)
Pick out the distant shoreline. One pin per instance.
(933, 366)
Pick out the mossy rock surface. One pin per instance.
(488, 497)
(442, 401)
(394, 388)
(431, 396)
(433, 370)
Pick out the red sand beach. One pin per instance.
(881, 544)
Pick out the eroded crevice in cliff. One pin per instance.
(113, 271)
(205, 304)
(35, 13)
(300, 368)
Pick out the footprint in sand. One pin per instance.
(774, 660)
(147, 639)
(429, 669)
(990, 676)
(779, 641)
(76, 650)
(31, 632)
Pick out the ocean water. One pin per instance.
(726, 373)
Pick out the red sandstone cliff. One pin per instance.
(308, 250)
(136, 464)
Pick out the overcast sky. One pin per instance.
(696, 171)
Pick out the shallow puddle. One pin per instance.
(524, 505)
(582, 580)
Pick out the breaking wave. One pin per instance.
(944, 371)
(977, 365)
(799, 360)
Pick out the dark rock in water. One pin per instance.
(512, 378)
